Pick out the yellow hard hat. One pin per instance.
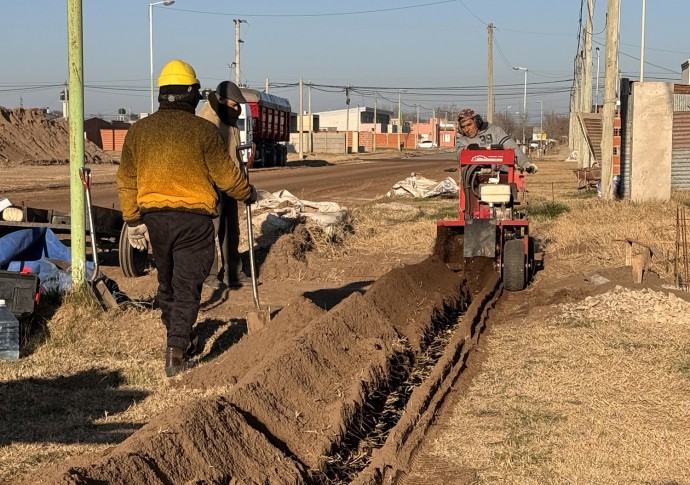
(177, 72)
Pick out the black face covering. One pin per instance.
(184, 98)
(226, 114)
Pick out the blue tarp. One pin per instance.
(34, 249)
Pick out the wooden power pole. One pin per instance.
(610, 97)
(490, 92)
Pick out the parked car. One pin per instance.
(427, 144)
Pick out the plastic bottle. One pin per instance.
(9, 334)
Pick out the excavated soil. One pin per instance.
(299, 390)
(27, 137)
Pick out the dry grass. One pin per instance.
(578, 400)
(92, 380)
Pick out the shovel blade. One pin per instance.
(257, 320)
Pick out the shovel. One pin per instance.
(259, 318)
(98, 286)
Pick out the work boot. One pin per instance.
(240, 281)
(175, 361)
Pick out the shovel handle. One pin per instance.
(85, 176)
(250, 161)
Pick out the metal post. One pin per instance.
(151, 5)
(524, 102)
(300, 121)
(644, 8)
(416, 130)
(399, 119)
(490, 91)
(597, 94)
(76, 143)
(433, 127)
(376, 99)
(347, 117)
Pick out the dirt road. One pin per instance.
(349, 183)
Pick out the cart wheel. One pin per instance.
(514, 265)
(132, 261)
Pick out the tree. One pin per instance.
(555, 125)
(508, 122)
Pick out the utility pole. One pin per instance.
(399, 119)
(311, 120)
(416, 131)
(347, 117)
(586, 92)
(610, 96)
(575, 108)
(75, 58)
(490, 92)
(300, 121)
(376, 102)
(238, 41)
(433, 126)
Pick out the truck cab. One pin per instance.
(245, 125)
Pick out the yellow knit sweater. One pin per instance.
(172, 160)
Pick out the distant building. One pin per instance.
(108, 135)
(361, 118)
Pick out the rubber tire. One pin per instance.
(514, 270)
(132, 261)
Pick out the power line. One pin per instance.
(335, 14)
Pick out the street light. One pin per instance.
(597, 95)
(524, 102)
(151, 5)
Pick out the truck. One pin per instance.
(268, 128)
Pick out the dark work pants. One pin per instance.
(227, 227)
(183, 249)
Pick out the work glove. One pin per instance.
(253, 196)
(531, 168)
(138, 236)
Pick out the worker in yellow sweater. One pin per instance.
(171, 164)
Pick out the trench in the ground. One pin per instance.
(382, 411)
(315, 395)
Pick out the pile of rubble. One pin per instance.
(625, 304)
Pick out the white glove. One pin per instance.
(138, 236)
(531, 168)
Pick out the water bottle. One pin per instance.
(9, 334)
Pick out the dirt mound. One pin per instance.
(28, 137)
(288, 256)
(303, 385)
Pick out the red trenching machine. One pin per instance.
(492, 222)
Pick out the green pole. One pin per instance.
(76, 143)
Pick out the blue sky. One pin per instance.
(435, 50)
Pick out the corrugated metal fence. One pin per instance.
(680, 162)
